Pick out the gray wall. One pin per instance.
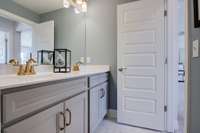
(102, 38)
(19, 10)
(69, 31)
(195, 76)
(101, 35)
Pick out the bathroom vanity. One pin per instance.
(48, 102)
(54, 103)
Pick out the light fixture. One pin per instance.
(84, 6)
(77, 11)
(66, 4)
(78, 5)
(79, 2)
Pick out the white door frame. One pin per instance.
(154, 120)
(187, 69)
(172, 70)
(172, 36)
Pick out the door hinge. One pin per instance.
(166, 61)
(165, 13)
(165, 108)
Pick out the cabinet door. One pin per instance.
(76, 114)
(49, 121)
(94, 108)
(103, 100)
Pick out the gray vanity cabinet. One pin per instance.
(68, 117)
(49, 121)
(56, 107)
(60, 107)
(98, 99)
(28, 99)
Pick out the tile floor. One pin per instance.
(110, 126)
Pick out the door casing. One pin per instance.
(172, 49)
(164, 68)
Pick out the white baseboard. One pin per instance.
(112, 113)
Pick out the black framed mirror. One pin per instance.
(196, 13)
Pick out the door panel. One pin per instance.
(138, 83)
(141, 54)
(94, 108)
(140, 60)
(137, 37)
(103, 100)
(45, 122)
(76, 114)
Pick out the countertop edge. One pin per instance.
(57, 78)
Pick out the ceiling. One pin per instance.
(41, 6)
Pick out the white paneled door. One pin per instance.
(141, 64)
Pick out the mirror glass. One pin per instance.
(69, 31)
(27, 28)
(21, 40)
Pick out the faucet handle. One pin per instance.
(31, 60)
(13, 62)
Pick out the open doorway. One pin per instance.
(15, 41)
(24, 38)
(3, 47)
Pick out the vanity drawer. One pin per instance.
(32, 98)
(97, 79)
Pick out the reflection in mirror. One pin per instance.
(69, 31)
(19, 40)
(34, 26)
(15, 40)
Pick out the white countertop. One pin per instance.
(12, 80)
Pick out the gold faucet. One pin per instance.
(27, 69)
